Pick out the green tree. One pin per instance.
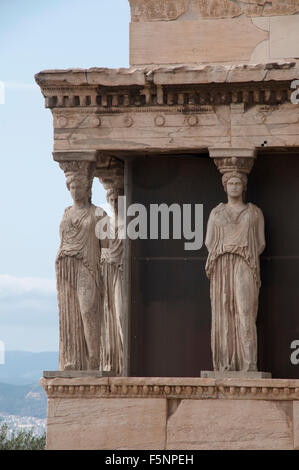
(21, 440)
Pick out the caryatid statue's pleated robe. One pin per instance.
(234, 242)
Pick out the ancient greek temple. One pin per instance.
(207, 110)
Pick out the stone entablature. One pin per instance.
(171, 109)
(179, 388)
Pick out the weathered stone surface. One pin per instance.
(150, 10)
(169, 10)
(216, 8)
(80, 381)
(296, 424)
(144, 134)
(170, 75)
(286, 71)
(172, 413)
(217, 126)
(194, 41)
(236, 374)
(191, 38)
(73, 374)
(180, 75)
(99, 423)
(173, 387)
(225, 425)
(88, 156)
(161, 381)
(250, 73)
(92, 76)
(284, 36)
(280, 7)
(270, 8)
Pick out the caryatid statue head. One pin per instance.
(234, 183)
(79, 179)
(112, 196)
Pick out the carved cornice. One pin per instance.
(184, 87)
(197, 389)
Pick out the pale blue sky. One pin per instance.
(37, 35)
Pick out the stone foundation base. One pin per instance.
(171, 413)
(234, 374)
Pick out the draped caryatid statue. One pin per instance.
(112, 274)
(78, 274)
(235, 239)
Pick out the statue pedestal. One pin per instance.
(215, 374)
(90, 412)
(75, 374)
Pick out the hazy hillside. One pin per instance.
(20, 392)
(22, 367)
(23, 400)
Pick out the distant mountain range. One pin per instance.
(23, 400)
(20, 392)
(24, 368)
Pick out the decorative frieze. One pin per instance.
(197, 389)
(169, 10)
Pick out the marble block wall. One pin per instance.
(215, 31)
(128, 413)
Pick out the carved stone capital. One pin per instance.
(82, 170)
(80, 156)
(110, 172)
(228, 159)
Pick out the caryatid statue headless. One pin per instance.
(235, 239)
(78, 274)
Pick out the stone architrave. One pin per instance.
(112, 343)
(79, 281)
(235, 239)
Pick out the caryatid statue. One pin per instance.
(235, 239)
(78, 274)
(112, 348)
